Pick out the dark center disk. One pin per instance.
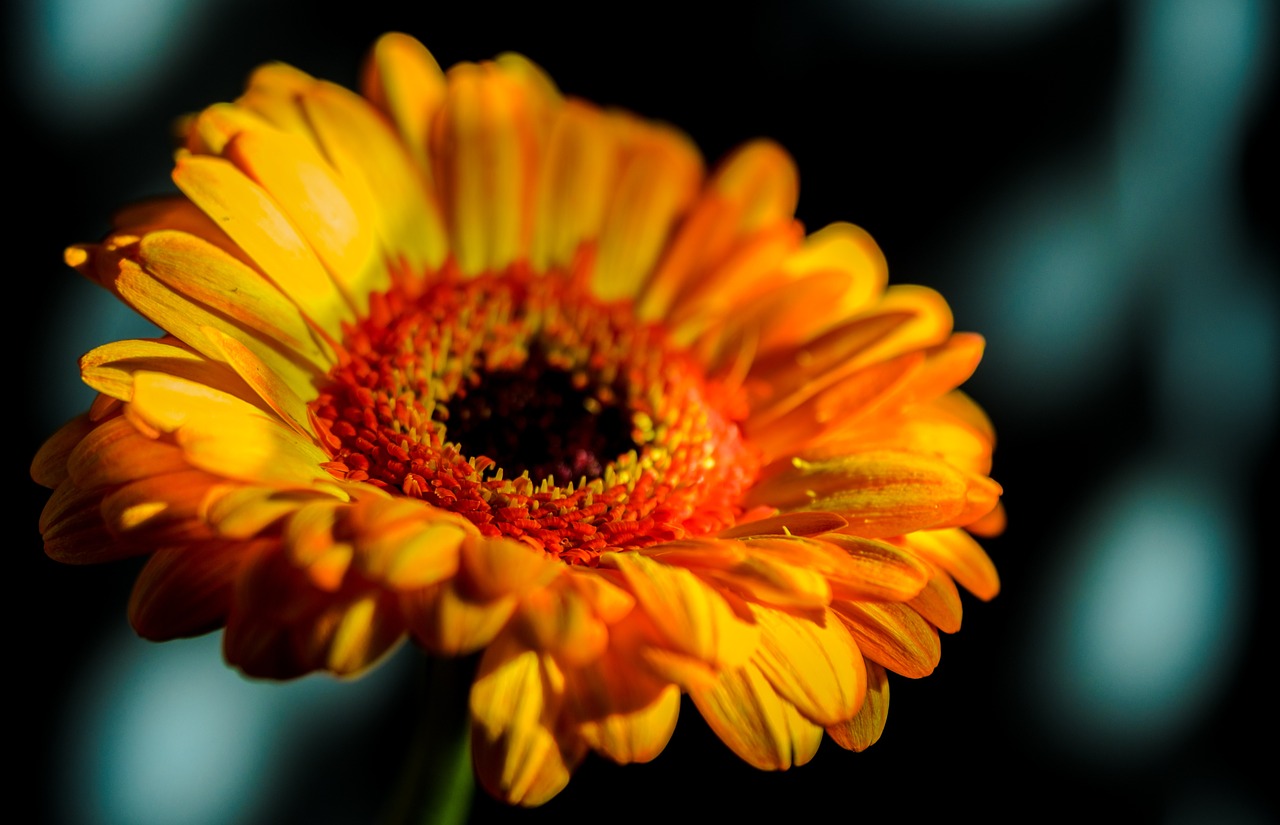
(534, 419)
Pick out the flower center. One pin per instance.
(533, 420)
(538, 412)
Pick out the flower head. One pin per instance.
(468, 361)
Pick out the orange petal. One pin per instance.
(850, 251)
(939, 602)
(74, 532)
(186, 591)
(658, 180)
(311, 544)
(280, 626)
(162, 508)
(930, 325)
(752, 189)
(863, 568)
(780, 381)
(990, 525)
(853, 398)
(956, 552)
(791, 524)
(115, 452)
(49, 467)
(892, 634)
(880, 494)
(556, 620)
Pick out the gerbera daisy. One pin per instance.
(467, 361)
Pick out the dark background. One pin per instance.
(1083, 180)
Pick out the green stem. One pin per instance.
(437, 781)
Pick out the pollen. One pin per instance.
(538, 412)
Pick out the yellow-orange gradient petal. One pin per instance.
(864, 729)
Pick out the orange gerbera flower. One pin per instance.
(467, 361)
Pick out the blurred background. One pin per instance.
(1084, 180)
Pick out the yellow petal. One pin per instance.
(813, 665)
(414, 556)
(370, 157)
(879, 494)
(638, 736)
(763, 729)
(864, 729)
(658, 180)
(244, 511)
(404, 80)
(274, 379)
(447, 622)
(577, 177)
(923, 430)
(211, 130)
(514, 701)
(272, 94)
(744, 569)
(330, 215)
(493, 568)
(211, 278)
(189, 322)
(694, 618)
(365, 632)
(258, 225)
(109, 368)
(226, 436)
(483, 145)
